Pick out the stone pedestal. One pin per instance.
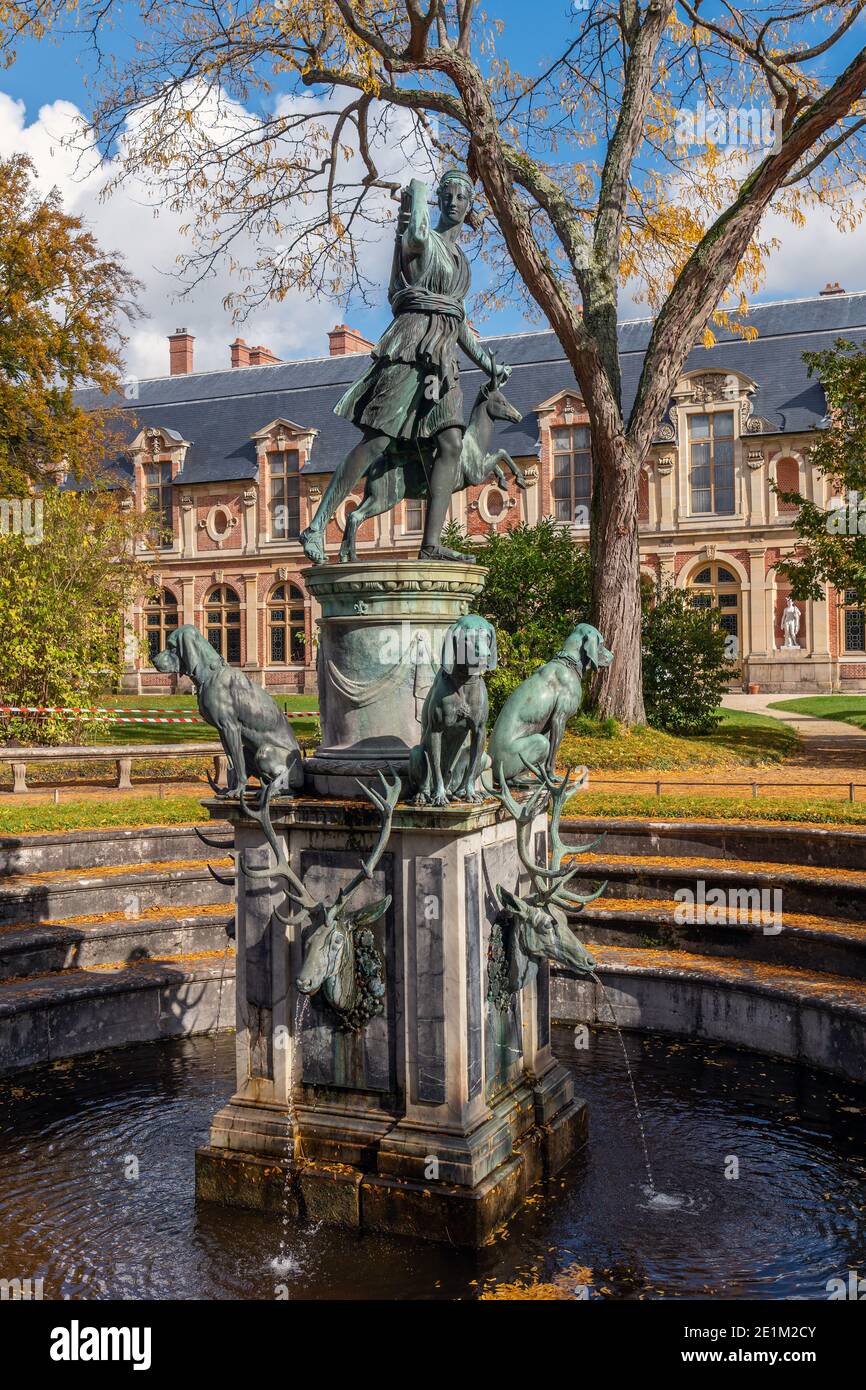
(791, 670)
(380, 637)
(437, 1118)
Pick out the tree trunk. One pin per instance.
(618, 692)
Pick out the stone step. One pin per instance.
(830, 892)
(122, 889)
(820, 944)
(71, 1012)
(83, 942)
(838, 847)
(816, 1019)
(97, 849)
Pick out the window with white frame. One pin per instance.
(711, 463)
(285, 494)
(572, 473)
(158, 499)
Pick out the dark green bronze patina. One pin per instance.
(532, 721)
(534, 928)
(446, 765)
(410, 394)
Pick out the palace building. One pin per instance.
(234, 463)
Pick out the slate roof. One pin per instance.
(220, 411)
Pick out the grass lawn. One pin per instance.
(848, 709)
(93, 814)
(183, 769)
(186, 704)
(801, 810)
(740, 739)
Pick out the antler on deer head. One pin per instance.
(284, 872)
(548, 883)
(385, 803)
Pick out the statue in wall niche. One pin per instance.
(256, 736)
(532, 721)
(790, 626)
(409, 399)
(405, 472)
(340, 957)
(534, 928)
(447, 763)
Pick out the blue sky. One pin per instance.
(33, 117)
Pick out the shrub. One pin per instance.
(684, 665)
(537, 591)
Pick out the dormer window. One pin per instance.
(711, 463)
(572, 474)
(285, 494)
(157, 496)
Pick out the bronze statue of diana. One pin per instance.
(409, 398)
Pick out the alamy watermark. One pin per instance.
(22, 516)
(730, 127)
(847, 515)
(851, 1289)
(719, 907)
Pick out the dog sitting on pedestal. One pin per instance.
(447, 763)
(255, 733)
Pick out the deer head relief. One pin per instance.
(340, 956)
(534, 928)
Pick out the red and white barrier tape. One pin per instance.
(94, 713)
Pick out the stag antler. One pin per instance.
(385, 804)
(559, 789)
(283, 870)
(548, 884)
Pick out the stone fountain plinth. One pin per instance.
(437, 1117)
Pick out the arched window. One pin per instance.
(711, 463)
(222, 615)
(285, 498)
(286, 624)
(643, 495)
(715, 586)
(160, 619)
(788, 479)
(855, 623)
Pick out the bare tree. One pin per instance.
(589, 174)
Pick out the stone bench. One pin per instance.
(122, 754)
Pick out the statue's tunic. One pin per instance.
(411, 390)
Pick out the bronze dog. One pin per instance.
(254, 732)
(446, 764)
(532, 721)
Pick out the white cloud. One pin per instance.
(131, 221)
(810, 256)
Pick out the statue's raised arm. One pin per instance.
(413, 224)
(408, 402)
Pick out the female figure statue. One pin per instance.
(410, 397)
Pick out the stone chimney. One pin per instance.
(342, 340)
(262, 357)
(240, 353)
(180, 352)
(832, 288)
